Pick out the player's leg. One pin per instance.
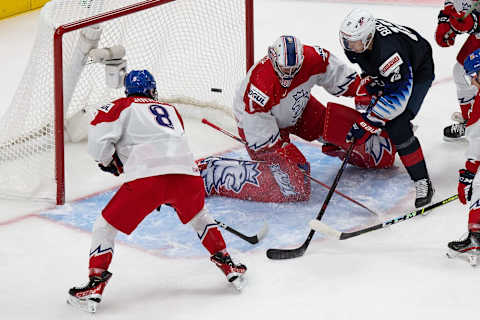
(469, 247)
(408, 146)
(187, 197)
(465, 92)
(128, 207)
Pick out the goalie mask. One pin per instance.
(357, 31)
(286, 55)
(140, 82)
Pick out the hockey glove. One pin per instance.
(465, 180)
(467, 25)
(444, 35)
(366, 125)
(363, 98)
(115, 167)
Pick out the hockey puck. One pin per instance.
(215, 89)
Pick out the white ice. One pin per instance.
(396, 273)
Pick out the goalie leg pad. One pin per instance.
(282, 181)
(377, 152)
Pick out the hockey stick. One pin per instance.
(251, 239)
(278, 254)
(332, 233)
(205, 121)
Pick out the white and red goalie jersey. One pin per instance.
(147, 135)
(262, 106)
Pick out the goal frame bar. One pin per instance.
(58, 72)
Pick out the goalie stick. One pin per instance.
(205, 121)
(278, 254)
(332, 233)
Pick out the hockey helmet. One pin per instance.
(286, 55)
(358, 25)
(472, 63)
(140, 82)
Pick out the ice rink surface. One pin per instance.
(396, 273)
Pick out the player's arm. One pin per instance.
(102, 137)
(393, 88)
(444, 34)
(338, 78)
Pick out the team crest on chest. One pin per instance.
(228, 173)
(300, 101)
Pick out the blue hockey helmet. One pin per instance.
(472, 63)
(140, 82)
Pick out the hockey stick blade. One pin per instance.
(319, 226)
(251, 239)
(282, 254)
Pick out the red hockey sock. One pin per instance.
(474, 220)
(212, 239)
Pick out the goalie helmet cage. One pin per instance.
(192, 47)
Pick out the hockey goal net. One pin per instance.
(191, 47)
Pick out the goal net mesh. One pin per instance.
(190, 46)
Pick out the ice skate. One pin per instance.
(468, 248)
(424, 192)
(456, 131)
(89, 296)
(233, 272)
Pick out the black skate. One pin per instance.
(468, 248)
(455, 132)
(88, 296)
(424, 192)
(233, 272)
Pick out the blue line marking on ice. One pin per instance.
(163, 233)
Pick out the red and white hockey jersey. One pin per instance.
(262, 106)
(147, 135)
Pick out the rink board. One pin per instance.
(162, 233)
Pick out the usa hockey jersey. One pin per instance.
(147, 135)
(262, 106)
(399, 57)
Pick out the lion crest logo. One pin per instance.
(228, 173)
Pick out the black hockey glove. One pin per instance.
(115, 167)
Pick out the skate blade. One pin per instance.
(84, 305)
(462, 139)
(472, 259)
(239, 283)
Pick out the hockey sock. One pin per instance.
(101, 250)
(208, 232)
(474, 219)
(411, 156)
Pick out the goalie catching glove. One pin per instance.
(465, 180)
(115, 166)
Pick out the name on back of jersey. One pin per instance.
(257, 96)
(392, 63)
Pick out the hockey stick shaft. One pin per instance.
(327, 230)
(251, 239)
(205, 121)
(277, 254)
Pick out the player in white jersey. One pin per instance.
(274, 101)
(451, 23)
(145, 139)
(469, 180)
